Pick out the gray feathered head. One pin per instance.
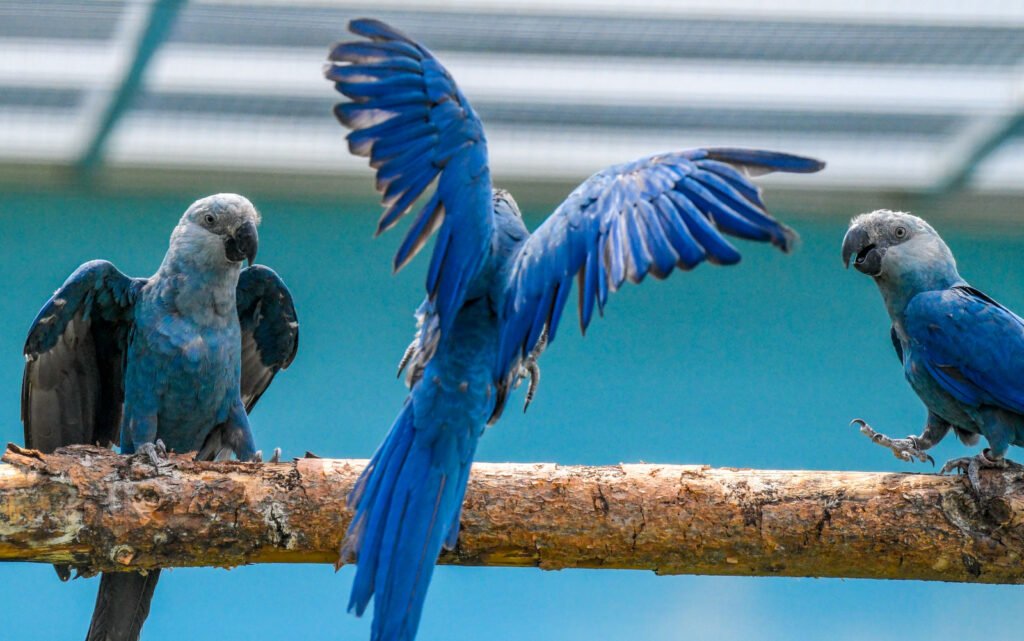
(902, 252)
(218, 230)
(884, 242)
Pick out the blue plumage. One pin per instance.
(495, 293)
(962, 352)
(952, 332)
(180, 357)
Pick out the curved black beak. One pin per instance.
(857, 242)
(242, 245)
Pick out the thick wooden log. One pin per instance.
(90, 507)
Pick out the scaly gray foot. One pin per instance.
(972, 466)
(155, 453)
(905, 449)
(258, 456)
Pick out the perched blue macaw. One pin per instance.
(175, 360)
(962, 352)
(495, 292)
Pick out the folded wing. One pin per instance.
(971, 345)
(409, 118)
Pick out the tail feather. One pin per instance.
(122, 605)
(407, 505)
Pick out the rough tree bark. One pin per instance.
(90, 507)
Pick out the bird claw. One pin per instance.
(972, 466)
(905, 449)
(274, 458)
(529, 368)
(533, 371)
(155, 453)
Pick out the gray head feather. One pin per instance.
(902, 252)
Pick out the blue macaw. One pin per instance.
(496, 292)
(176, 360)
(962, 352)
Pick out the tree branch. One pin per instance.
(90, 507)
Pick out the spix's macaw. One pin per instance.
(962, 352)
(176, 359)
(496, 292)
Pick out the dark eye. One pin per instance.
(901, 232)
(209, 219)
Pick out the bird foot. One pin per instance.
(258, 456)
(972, 466)
(530, 369)
(155, 453)
(905, 449)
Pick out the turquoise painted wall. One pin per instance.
(761, 365)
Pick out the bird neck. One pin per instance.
(203, 292)
(899, 289)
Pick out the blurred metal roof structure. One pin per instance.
(918, 96)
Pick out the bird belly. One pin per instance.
(457, 382)
(938, 400)
(193, 372)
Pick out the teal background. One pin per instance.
(762, 365)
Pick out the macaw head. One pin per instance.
(902, 252)
(218, 230)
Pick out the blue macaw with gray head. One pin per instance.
(176, 360)
(496, 292)
(962, 352)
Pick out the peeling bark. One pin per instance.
(92, 508)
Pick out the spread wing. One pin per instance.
(644, 217)
(73, 385)
(270, 330)
(409, 118)
(971, 345)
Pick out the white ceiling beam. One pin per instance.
(925, 12)
(519, 153)
(526, 78)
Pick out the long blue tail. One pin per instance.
(407, 505)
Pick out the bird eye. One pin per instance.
(209, 219)
(901, 232)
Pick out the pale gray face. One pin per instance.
(219, 229)
(889, 242)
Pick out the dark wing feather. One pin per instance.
(73, 385)
(270, 330)
(644, 217)
(896, 344)
(417, 128)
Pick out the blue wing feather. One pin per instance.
(648, 216)
(412, 121)
(971, 345)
